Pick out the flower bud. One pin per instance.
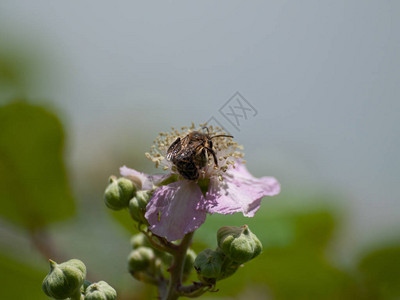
(100, 291)
(238, 243)
(140, 259)
(139, 240)
(208, 265)
(188, 264)
(228, 268)
(118, 193)
(137, 206)
(64, 280)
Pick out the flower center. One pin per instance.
(198, 152)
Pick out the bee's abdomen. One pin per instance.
(187, 169)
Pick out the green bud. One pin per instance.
(189, 261)
(208, 265)
(238, 243)
(139, 240)
(228, 268)
(137, 206)
(85, 285)
(100, 291)
(140, 259)
(118, 193)
(64, 280)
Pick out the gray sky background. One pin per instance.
(323, 75)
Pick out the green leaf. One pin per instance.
(34, 189)
(20, 281)
(381, 273)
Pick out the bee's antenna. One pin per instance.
(221, 135)
(208, 132)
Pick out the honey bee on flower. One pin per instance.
(210, 177)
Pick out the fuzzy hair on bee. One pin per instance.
(189, 154)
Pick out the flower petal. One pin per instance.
(239, 191)
(176, 209)
(142, 180)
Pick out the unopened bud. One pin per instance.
(100, 291)
(238, 243)
(137, 206)
(64, 280)
(118, 193)
(208, 265)
(189, 262)
(139, 240)
(140, 259)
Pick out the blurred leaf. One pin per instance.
(381, 273)
(33, 185)
(20, 281)
(8, 73)
(19, 69)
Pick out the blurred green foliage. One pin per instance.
(33, 183)
(20, 280)
(20, 69)
(381, 273)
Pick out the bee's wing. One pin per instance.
(187, 150)
(173, 150)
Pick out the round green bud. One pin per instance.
(137, 206)
(238, 243)
(140, 259)
(208, 265)
(118, 193)
(139, 240)
(189, 261)
(100, 291)
(64, 280)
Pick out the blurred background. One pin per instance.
(85, 87)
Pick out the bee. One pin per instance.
(189, 154)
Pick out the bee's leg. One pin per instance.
(213, 154)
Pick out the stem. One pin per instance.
(161, 243)
(176, 269)
(77, 295)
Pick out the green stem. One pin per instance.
(161, 243)
(77, 295)
(176, 269)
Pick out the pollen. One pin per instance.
(227, 150)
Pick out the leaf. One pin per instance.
(381, 273)
(20, 281)
(34, 189)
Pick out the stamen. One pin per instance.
(226, 149)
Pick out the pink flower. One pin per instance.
(181, 207)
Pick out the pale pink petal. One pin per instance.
(175, 210)
(239, 191)
(142, 180)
